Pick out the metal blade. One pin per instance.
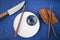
(16, 8)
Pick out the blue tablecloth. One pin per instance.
(6, 24)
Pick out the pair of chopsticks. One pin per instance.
(50, 24)
(19, 22)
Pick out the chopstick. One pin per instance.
(49, 22)
(19, 22)
(52, 24)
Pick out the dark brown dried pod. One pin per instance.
(44, 15)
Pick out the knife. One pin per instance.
(12, 10)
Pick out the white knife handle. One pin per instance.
(3, 14)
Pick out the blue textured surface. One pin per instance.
(6, 24)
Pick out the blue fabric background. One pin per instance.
(6, 24)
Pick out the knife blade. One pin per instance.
(12, 10)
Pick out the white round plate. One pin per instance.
(26, 30)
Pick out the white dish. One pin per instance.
(26, 30)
